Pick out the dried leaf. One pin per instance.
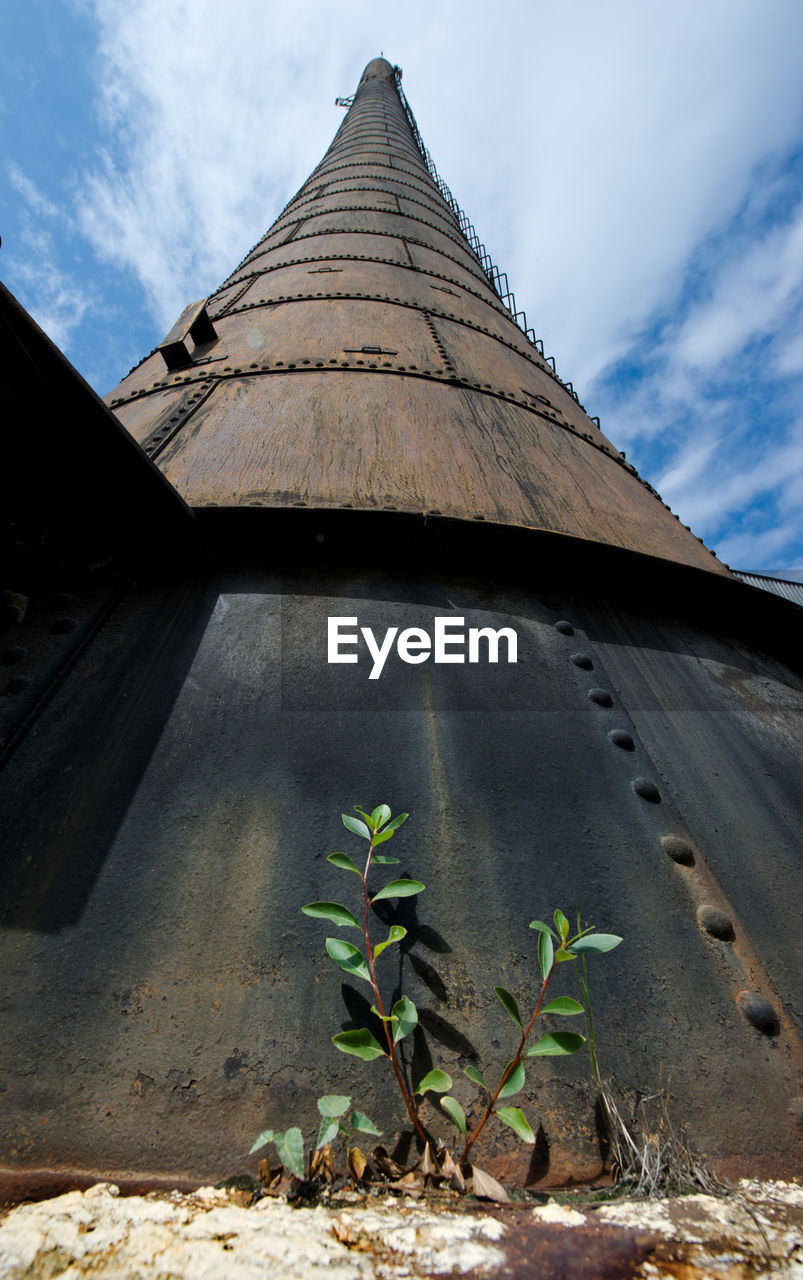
(357, 1164)
(385, 1164)
(429, 1166)
(488, 1188)
(322, 1164)
(271, 1179)
(410, 1184)
(452, 1171)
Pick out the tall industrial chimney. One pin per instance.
(353, 432)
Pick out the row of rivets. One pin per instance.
(280, 366)
(347, 209)
(711, 919)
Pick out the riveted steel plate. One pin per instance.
(154, 961)
(342, 244)
(328, 329)
(473, 275)
(388, 224)
(295, 437)
(147, 414)
(481, 357)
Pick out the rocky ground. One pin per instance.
(755, 1230)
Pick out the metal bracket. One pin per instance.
(193, 323)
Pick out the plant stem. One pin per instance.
(489, 1110)
(387, 1026)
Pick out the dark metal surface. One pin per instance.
(189, 778)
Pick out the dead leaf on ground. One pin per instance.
(270, 1178)
(429, 1165)
(452, 1172)
(322, 1164)
(385, 1163)
(357, 1164)
(488, 1188)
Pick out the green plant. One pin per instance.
(377, 828)
(555, 946)
(333, 1108)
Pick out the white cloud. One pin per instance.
(752, 297)
(33, 197)
(54, 296)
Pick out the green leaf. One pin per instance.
(437, 1081)
(513, 1117)
(514, 1082)
(360, 1044)
(562, 955)
(561, 924)
(348, 957)
(399, 889)
(407, 1015)
(329, 1129)
(594, 944)
(508, 1003)
(380, 816)
(396, 823)
(291, 1152)
(334, 1104)
(379, 840)
(475, 1077)
(331, 911)
(343, 860)
(556, 1044)
(563, 1005)
(455, 1112)
(397, 932)
(362, 1124)
(354, 824)
(540, 926)
(369, 822)
(264, 1138)
(546, 953)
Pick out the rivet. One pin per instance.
(715, 922)
(63, 625)
(601, 697)
(565, 628)
(678, 850)
(621, 739)
(647, 789)
(582, 660)
(758, 1012)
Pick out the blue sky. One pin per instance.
(636, 167)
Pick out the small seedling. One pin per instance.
(555, 946)
(377, 828)
(333, 1108)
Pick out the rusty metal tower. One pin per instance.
(355, 425)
